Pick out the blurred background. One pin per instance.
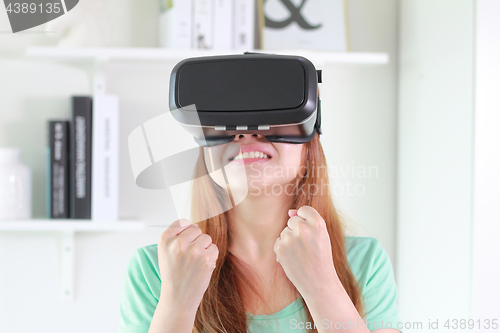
(420, 110)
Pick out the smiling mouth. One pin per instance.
(249, 154)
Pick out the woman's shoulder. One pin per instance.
(150, 251)
(365, 255)
(361, 245)
(372, 268)
(145, 260)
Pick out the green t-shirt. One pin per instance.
(369, 263)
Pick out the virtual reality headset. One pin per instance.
(216, 97)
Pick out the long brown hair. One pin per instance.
(222, 308)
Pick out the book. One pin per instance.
(244, 24)
(105, 163)
(80, 157)
(202, 27)
(223, 23)
(58, 170)
(314, 25)
(175, 24)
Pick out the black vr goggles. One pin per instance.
(273, 95)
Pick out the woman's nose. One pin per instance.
(248, 136)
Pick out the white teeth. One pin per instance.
(251, 154)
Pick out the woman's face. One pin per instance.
(254, 165)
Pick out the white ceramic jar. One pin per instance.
(15, 186)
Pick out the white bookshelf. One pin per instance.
(141, 54)
(70, 225)
(100, 56)
(67, 229)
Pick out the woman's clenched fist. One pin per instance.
(186, 258)
(304, 251)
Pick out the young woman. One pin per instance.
(279, 261)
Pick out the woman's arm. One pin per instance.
(334, 303)
(332, 310)
(170, 317)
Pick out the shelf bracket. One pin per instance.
(67, 251)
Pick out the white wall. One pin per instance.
(360, 108)
(359, 124)
(435, 157)
(486, 267)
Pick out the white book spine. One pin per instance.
(105, 158)
(202, 29)
(175, 25)
(244, 18)
(223, 24)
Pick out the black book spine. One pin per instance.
(59, 169)
(81, 157)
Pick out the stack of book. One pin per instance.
(210, 24)
(82, 162)
(254, 24)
